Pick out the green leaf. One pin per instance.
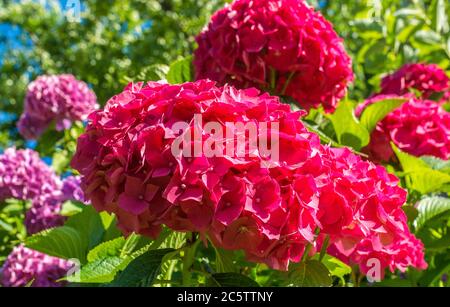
(102, 270)
(60, 161)
(430, 208)
(230, 280)
(377, 111)
(437, 164)
(70, 208)
(154, 72)
(336, 267)
(106, 249)
(419, 175)
(224, 261)
(432, 274)
(180, 71)
(63, 242)
(174, 239)
(311, 273)
(348, 130)
(89, 225)
(143, 270)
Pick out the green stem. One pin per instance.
(323, 250)
(286, 84)
(189, 258)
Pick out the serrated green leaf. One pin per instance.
(106, 249)
(230, 280)
(420, 176)
(180, 71)
(63, 242)
(311, 273)
(143, 270)
(349, 130)
(377, 111)
(430, 208)
(101, 270)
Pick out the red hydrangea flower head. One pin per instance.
(24, 265)
(60, 98)
(418, 127)
(271, 207)
(281, 45)
(425, 78)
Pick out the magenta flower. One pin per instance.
(418, 127)
(61, 99)
(283, 46)
(24, 266)
(425, 78)
(269, 206)
(23, 175)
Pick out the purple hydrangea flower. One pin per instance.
(71, 189)
(59, 98)
(24, 266)
(23, 175)
(44, 214)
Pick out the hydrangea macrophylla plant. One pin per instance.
(425, 78)
(418, 127)
(44, 214)
(45, 211)
(279, 45)
(24, 266)
(71, 189)
(61, 99)
(378, 229)
(24, 176)
(270, 208)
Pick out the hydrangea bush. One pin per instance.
(269, 208)
(282, 46)
(58, 99)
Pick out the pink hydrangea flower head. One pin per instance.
(378, 232)
(270, 207)
(24, 266)
(61, 99)
(284, 46)
(425, 78)
(418, 127)
(23, 175)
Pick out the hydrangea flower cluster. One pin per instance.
(425, 78)
(378, 230)
(418, 127)
(270, 208)
(58, 98)
(279, 45)
(24, 266)
(24, 176)
(71, 189)
(45, 212)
